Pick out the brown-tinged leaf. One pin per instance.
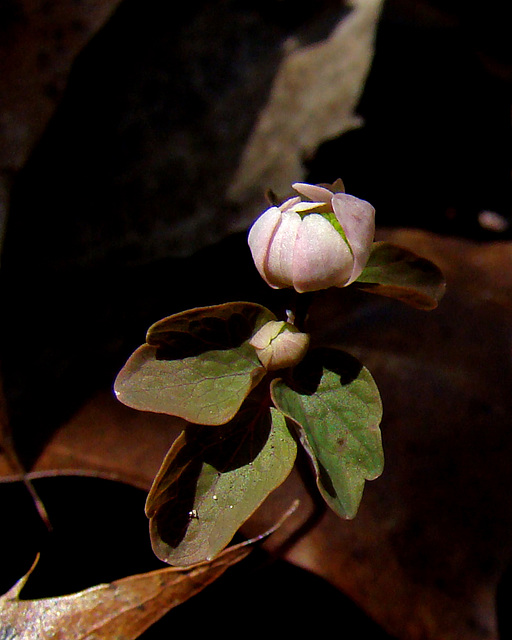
(197, 365)
(397, 272)
(122, 609)
(212, 481)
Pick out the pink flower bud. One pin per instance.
(312, 245)
(279, 345)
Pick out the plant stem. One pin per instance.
(298, 314)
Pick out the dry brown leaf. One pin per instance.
(122, 609)
(313, 98)
(110, 439)
(39, 46)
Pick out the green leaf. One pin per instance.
(197, 365)
(212, 480)
(398, 273)
(336, 406)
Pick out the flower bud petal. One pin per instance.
(290, 203)
(313, 191)
(279, 345)
(279, 263)
(260, 237)
(321, 256)
(357, 218)
(264, 336)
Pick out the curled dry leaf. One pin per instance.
(122, 609)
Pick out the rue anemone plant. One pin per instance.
(252, 389)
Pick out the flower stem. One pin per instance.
(299, 311)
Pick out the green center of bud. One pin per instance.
(325, 210)
(335, 223)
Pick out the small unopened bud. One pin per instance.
(279, 345)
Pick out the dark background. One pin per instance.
(79, 287)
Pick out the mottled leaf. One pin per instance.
(336, 406)
(122, 609)
(197, 365)
(399, 273)
(212, 480)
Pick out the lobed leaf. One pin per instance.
(336, 407)
(212, 480)
(398, 273)
(197, 365)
